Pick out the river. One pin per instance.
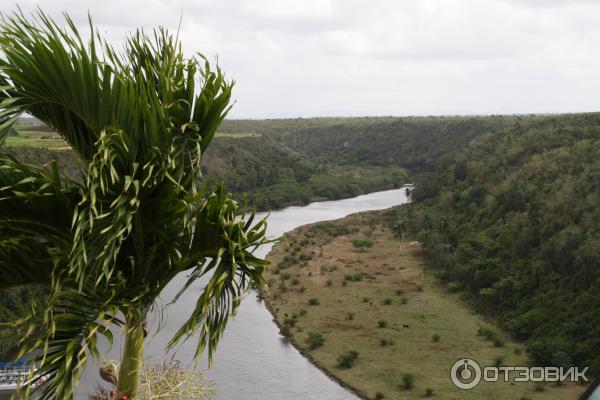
(253, 362)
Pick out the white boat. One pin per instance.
(12, 374)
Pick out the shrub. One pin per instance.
(408, 381)
(403, 300)
(347, 360)
(381, 323)
(498, 342)
(539, 387)
(302, 312)
(295, 281)
(302, 289)
(435, 338)
(498, 361)
(387, 302)
(365, 300)
(428, 392)
(285, 330)
(454, 286)
(313, 301)
(350, 316)
(285, 276)
(362, 243)
(518, 351)
(315, 340)
(344, 283)
(379, 396)
(419, 288)
(329, 283)
(399, 292)
(290, 321)
(383, 342)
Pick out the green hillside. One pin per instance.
(513, 223)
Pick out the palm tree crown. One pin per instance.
(140, 120)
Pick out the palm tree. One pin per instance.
(140, 120)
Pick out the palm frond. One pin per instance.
(60, 347)
(35, 217)
(227, 241)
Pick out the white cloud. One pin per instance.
(359, 57)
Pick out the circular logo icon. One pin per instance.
(465, 374)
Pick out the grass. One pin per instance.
(237, 134)
(411, 329)
(35, 138)
(17, 141)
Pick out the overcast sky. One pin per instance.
(294, 58)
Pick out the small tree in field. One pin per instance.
(140, 120)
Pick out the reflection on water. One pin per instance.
(252, 361)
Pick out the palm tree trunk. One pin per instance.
(132, 360)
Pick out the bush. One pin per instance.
(381, 323)
(365, 300)
(315, 340)
(313, 301)
(302, 312)
(387, 302)
(404, 300)
(435, 338)
(428, 392)
(379, 396)
(295, 281)
(285, 330)
(498, 361)
(539, 387)
(383, 342)
(347, 360)
(362, 243)
(350, 316)
(329, 283)
(408, 381)
(498, 342)
(285, 276)
(399, 292)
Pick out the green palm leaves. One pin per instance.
(141, 121)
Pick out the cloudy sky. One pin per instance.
(306, 58)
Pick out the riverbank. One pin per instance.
(351, 286)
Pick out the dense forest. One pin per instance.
(507, 208)
(513, 222)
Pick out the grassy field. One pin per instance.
(30, 138)
(24, 141)
(379, 302)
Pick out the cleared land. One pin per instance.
(41, 137)
(379, 302)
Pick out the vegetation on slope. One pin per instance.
(513, 221)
